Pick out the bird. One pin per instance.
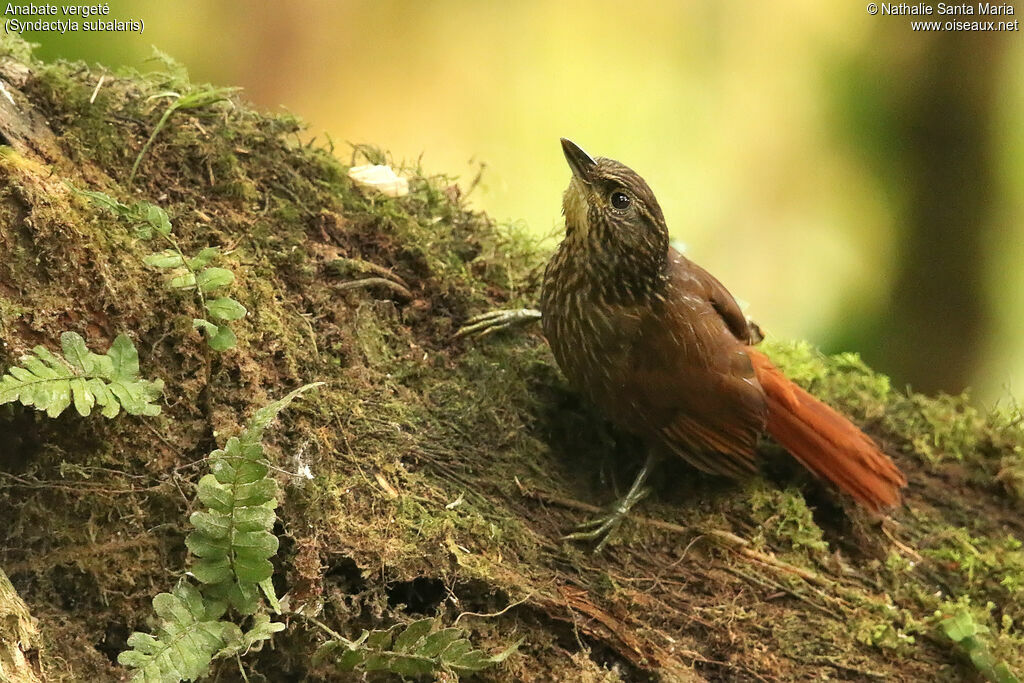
(663, 350)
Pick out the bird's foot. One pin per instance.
(604, 526)
(601, 529)
(493, 321)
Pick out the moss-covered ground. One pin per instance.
(443, 472)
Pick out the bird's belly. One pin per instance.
(645, 371)
(597, 354)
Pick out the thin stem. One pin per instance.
(195, 276)
(331, 632)
(241, 669)
(171, 108)
(492, 614)
(204, 393)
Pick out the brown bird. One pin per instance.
(664, 351)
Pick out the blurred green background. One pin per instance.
(858, 183)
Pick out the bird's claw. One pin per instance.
(493, 321)
(602, 528)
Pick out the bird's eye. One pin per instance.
(620, 200)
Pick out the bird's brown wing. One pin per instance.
(692, 379)
(715, 292)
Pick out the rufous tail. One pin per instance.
(825, 442)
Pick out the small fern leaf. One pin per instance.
(439, 641)
(51, 383)
(146, 217)
(168, 258)
(203, 258)
(413, 650)
(151, 217)
(225, 308)
(102, 199)
(212, 278)
(267, 586)
(190, 633)
(223, 339)
(262, 629)
(414, 633)
(262, 418)
(233, 539)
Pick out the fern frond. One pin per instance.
(146, 218)
(233, 537)
(50, 382)
(413, 650)
(963, 629)
(234, 543)
(262, 629)
(189, 635)
(186, 273)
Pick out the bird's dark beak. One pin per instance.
(579, 161)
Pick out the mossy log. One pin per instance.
(442, 473)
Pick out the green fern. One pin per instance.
(233, 540)
(50, 382)
(190, 633)
(146, 218)
(187, 273)
(963, 629)
(252, 640)
(234, 544)
(414, 650)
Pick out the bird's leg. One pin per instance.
(492, 321)
(604, 526)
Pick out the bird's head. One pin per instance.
(612, 213)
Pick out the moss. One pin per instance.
(783, 518)
(458, 463)
(989, 566)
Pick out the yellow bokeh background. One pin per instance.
(741, 115)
